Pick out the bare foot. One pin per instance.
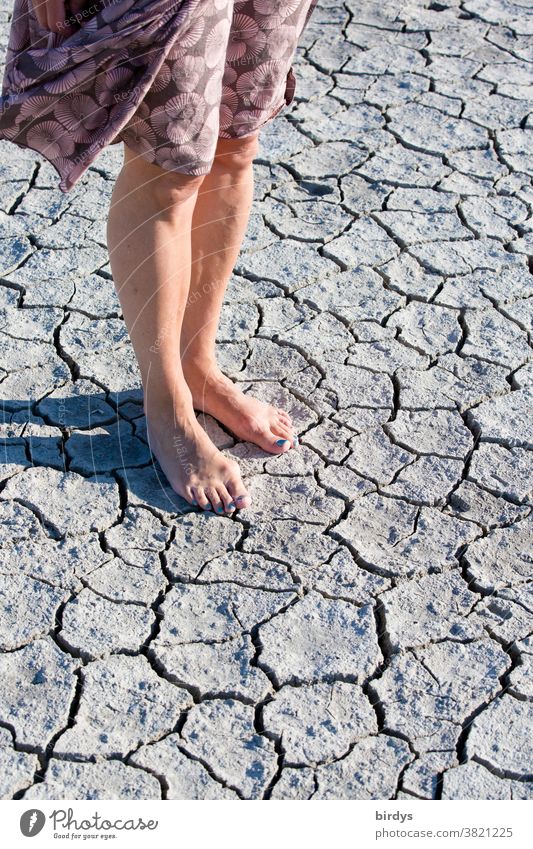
(193, 465)
(246, 417)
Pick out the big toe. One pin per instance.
(280, 434)
(278, 444)
(239, 494)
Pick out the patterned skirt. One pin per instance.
(167, 77)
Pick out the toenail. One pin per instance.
(295, 440)
(219, 508)
(231, 506)
(193, 501)
(207, 507)
(281, 441)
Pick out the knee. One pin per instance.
(168, 188)
(235, 155)
(171, 189)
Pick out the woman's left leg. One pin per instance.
(219, 223)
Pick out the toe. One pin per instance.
(274, 439)
(283, 428)
(227, 500)
(284, 416)
(283, 431)
(190, 496)
(280, 444)
(200, 496)
(214, 498)
(241, 498)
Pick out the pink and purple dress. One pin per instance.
(167, 77)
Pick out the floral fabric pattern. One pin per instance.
(167, 77)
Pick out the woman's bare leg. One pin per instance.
(149, 240)
(219, 224)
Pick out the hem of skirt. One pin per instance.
(200, 172)
(65, 187)
(62, 179)
(288, 97)
(146, 155)
(258, 126)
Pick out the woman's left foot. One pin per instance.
(246, 417)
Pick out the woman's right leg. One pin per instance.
(149, 241)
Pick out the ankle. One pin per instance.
(173, 395)
(199, 364)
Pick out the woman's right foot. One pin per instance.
(193, 465)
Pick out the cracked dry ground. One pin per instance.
(364, 630)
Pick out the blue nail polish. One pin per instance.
(296, 440)
(208, 507)
(193, 501)
(219, 508)
(231, 506)
(281, 441)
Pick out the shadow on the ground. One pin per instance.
(100, 436)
